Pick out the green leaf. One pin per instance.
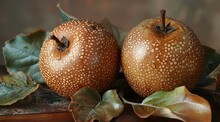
(65, 16)
(177, 104)
(22, 54)
(86, 105)
(118, 33)
(212, 60)
(215, 73)
(15, 87)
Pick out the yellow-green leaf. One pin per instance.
(15, 87)
(178, 104)
(86, 105)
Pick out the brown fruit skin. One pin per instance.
(91, 59)
(152, 61)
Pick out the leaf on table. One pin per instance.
(15, 87)
(212, 60)
(22, 54)
(65, 16)
(118, 33)
(87, 106)
(177, 104)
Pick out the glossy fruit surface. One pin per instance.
(79, 53)
(154, 60)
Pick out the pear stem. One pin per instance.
(163, 13)
(162, 27)
(56, 40)
(61, 45)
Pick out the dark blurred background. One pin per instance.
(24, 16)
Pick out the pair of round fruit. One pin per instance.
(154, 56)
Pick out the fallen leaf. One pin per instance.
(177, 104)
(87, 106)
(15, 87)
(22, 54)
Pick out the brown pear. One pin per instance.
(77, 54)
(161, 54)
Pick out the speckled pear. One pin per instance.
(79, 53)
(154, 59)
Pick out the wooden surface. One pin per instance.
(67, 117)
(50, 117)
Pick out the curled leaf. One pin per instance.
(177, 104)
(118, 33)
(87, 106)
(22, 54)
(65, 16)
(15, 87)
